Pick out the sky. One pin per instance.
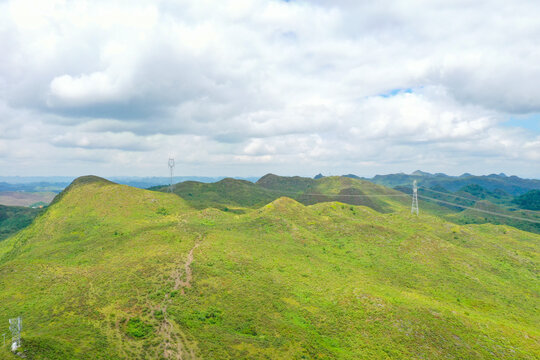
(248, 87)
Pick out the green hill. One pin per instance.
(462, 205)
(225, 194)
(236, 195)
(114, 272)
(295, 184)
(529, 200)
(495, 183)
(511, 218)
(478, 192)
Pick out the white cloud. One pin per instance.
(83, 90)
(107, 140)
(293, 86)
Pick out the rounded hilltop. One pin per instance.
(90, 179)
(81, 181)
(284, 205)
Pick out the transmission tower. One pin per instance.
(171, 169)
(414, 208)
(15, 326)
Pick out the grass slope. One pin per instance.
(223, 194)
(234, 195)
(476, 197)
(470, 216)
(113, 272)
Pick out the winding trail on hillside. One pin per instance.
(176, 345)
(177, 274)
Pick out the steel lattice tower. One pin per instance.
(414, 208)
(171, 168)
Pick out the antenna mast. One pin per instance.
(414, 208)
(15, 326)
(171, 169)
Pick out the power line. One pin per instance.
(335, 195)
(353, 195)
(536, 212)
(462, 197)
(405, 195)
(448, 194)
(480, 210)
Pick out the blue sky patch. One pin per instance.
(395, 92)
(529, 122)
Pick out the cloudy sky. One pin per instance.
(246, 87)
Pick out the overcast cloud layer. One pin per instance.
(247, 87)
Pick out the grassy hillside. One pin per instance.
(470, 216)
(463, 202)
(236, 195)
(225, 194)
(113, 272)
(15, 218)
(294, 184)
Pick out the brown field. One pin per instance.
(20, 198)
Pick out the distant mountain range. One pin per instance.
(58, 183)
(511, 196)
(512, 185)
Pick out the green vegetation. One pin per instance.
(529, 200)
(39, 204)
(113, 272)
(293, 184)
(236, 195)
(512, 185)
(227, 193)
(15, 218)
(470, 216)
(138, 329)
(476, 197)
(477, 192)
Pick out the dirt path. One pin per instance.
(179, 283)
(175, 344)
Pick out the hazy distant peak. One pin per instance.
(266, 177)
(421, 173)
(352, 176)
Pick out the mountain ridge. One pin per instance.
(94, 278)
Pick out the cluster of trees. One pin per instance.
(530, 200)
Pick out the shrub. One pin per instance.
(162, 211)
(138, 329)
(158, 314)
